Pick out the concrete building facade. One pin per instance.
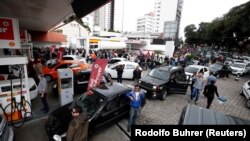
(146, 23)
(166, 10)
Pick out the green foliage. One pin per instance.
(220, 30)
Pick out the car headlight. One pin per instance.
(160, 88)
(154, 87)
(139, 81)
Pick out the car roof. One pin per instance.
(169, 68)
(70, 56)
(194, 115)
(125, 62)
(69, 61)
(119, 58)
(112, 90)
(197, 66)
(239, 63)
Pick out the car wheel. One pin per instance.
(109, 75)
(248, 104)
(163, 95)
(48, 78)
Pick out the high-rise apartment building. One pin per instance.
(146, 23)
(167, 10)
(104, 17)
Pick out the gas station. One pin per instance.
(17, 18)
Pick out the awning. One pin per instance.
(111, 45)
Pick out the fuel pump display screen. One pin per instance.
(66, 83)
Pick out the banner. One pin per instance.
(9, 33)
(97, 72)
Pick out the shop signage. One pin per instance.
(9, 33)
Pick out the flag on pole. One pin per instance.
(97, 72)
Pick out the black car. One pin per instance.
(196, 115)
(164, 80)
(104, 106)
(218, 70)
(81, 80)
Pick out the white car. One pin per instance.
(5, 86)
(245, 91)
(115, 60)
(189, 70)
(127, 72)
(246, 59)
(239, 68)
(67, 57)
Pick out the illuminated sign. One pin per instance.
(9, 33)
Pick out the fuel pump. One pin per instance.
(65, 86)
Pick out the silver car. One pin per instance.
(245, 91)
(6, 133)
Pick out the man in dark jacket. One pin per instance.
(137, 75)
(209, 92)
(119, 70)
(136, 98)
(78, 127)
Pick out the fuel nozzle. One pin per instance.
(13, 103)
(23, 101)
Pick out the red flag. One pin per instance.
(97, 72)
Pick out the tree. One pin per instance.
(220, 31)
(190, 34)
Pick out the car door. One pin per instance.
(108, 114)
(112, 71)
(178, 82)
(247, 68)
(124, 103)
(128, 71)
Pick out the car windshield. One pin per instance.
(112, 65)
(238, 65)
(68, 58)
(90, 103)
(159, 74)
(216, 66)
(191, 69)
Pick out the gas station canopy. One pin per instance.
(43, 15)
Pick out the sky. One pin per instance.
(193, 12)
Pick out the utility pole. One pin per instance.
(122, 13)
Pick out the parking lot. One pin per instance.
(155, 112)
